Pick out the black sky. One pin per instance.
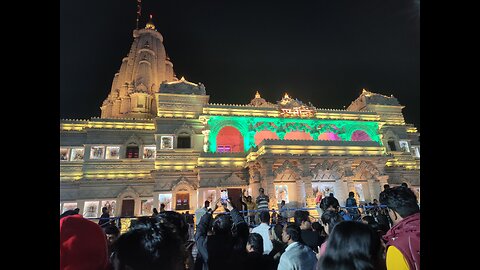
(320, 51)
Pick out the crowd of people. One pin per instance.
(377, 238)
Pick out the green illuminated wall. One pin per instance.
(248, 126)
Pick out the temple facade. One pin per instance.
(159, 140)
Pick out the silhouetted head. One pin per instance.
(353, 245)
(255, 243)
(400, 199)
(151, 245)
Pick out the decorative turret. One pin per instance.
(150, 24)
(141, 73)
(258, 101)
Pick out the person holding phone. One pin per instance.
(219, 250)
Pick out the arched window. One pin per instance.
(132, 151)
(360, 135)
(264, 134)
(229, 139)
(182, 201)
(391, 145)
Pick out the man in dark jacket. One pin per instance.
(403, 239)
(309, 237)
(230, 234)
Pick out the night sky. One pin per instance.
(320, 51)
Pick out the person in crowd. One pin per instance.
(296, 255)
(403, 238)
(329, 202)
(318, 228)
(277, 243)
(153, 243)
(262, 203)
(384, 221)
(227, 240)
(155, 212)
(274, 217)
(386, 186)
(404, 184)
(251, 206)
(191, 224)
(105, 217)
(309, 237)
(82, 244)
(330, 218)
(162, 207)
(111, 234)
(282, 213)
(256, 257)
(263, 230)
(351, 206)
(318, 200)
(352, 245)
(201, 211)
(344, 214)
(182, 227)
(370, 221)
(244, 207)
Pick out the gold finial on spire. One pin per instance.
(182, 79)
(286, 96)
(257, 95)
(150, 24)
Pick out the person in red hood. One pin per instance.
(403, 239)
(82, 244)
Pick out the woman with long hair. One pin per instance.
(353, 245)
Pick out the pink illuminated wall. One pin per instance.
(297, 135)
(360, 135)
(230, 136)
(265, 134)
(328, 136)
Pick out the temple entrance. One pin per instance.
(128, 208)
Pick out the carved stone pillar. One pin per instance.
(267, 178)
(300, 190)
(341, 189)
(206, 143)
(373, 188)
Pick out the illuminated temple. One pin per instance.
(159, 140)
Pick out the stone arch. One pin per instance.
(216, 127)
(390, 136)
(265, 134)
(360, 135)
(183, 186)
(129, 193)
(232, 137)
(183, 136)
(370, 130)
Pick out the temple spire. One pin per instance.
(150, 24)
(257, 95)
